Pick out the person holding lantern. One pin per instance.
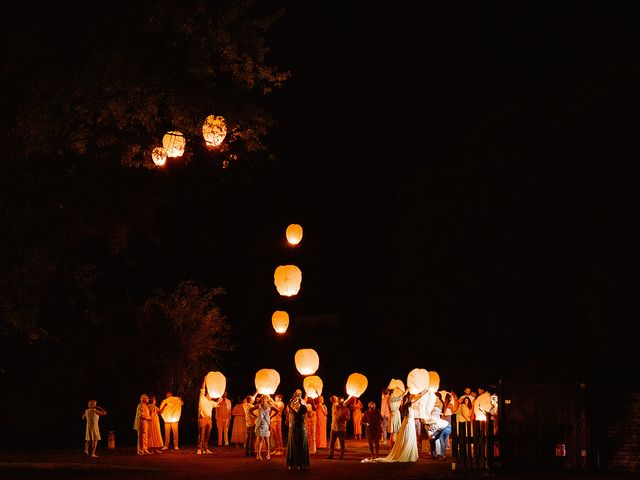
(92, 431)
(405, 448)
(339, 417)
(297, 442)
(206, 404)
(263, 412)
(170, 410)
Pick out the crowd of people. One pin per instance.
(406, 421)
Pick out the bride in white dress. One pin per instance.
(405, 448)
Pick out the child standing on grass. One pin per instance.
(92, 432)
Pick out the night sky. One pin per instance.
(464, 178)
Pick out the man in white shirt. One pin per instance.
(170, 410)
(205, 409)
(223, 419)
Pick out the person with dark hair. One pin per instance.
(239, 427)
(170, 410)
(372, 421)
(297, 441)
(340, 415)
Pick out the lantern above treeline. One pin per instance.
(312, 386)
(216, 384)
(159, 156)
(287, 279)
(267, 381)
(280, 321)
(417, 380)
(356, 384)
(307, 361)
(174, 144)
(214, 130)
(434, 381)
(294, 234)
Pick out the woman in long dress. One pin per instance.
(356, 415)
(405, 448)
(239, 427)
(311, 425)
(321, 423)
(297, 442)
(155, 434)
(395, 398)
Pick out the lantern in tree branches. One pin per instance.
(312, 386)
(216, 384)
(417, 380)
(280, 321)
(267, 381)
(294, 234)
(434, 381)
(159, 156)
(307, 361)
(287, 279)
(174, 144)
(214, 130)
(356, 384)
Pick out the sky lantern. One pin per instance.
(174, 143)
(417, 380)
(397, 386)
(312, 386)
(307, 361)
(214, 130)
(280, 321)
(172, 410)
(216, 384)
(434, 381)
(287, 279)
(294, 234)
(267, 381)
(159, 156)
(356, 384)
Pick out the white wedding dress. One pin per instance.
(405, 449)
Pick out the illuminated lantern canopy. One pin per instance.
(307, 361)
(287, 279)
(267, 381)
(356, 384)
(280, 321)
(417, 380)
(216, 384)
(294, 234)
(173, 409)
(312, 386)
(397, 386)
(214, 130)
(434, 381)
(174, 144)
(159, 156)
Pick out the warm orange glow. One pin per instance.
(267, 381)
(172, 410)
(312, 386)
(397, 386)
(307, 361)
(214, 130)
(356, 384)
(159, 156)
(174, 144)
(216, 384)
(280, 321)
(434, 381)
(287, 279)
(294, 234)
(417, 380)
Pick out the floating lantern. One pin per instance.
(214, 130)
(312, 386)
(280, 321)
(356, 384)
(307, 361)
(216, 384)
(287, 279)
(159, 156)
(396, 384)
(267, 381)
(434, 381)
(417, 380)
(174, 144)
(294, 234)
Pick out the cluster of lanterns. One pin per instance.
(287, 279)
(214, 131)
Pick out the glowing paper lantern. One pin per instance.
(280, 321)
(267, 381)
(434, 381)
(397, 386)
(174, 144)
(312, 386)
(214, 130)
(417, 380)
(294, 234)
(159, 156)
(216, 384)
(172, 409)
(287, 279)
(307, 361)
(356, 384)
